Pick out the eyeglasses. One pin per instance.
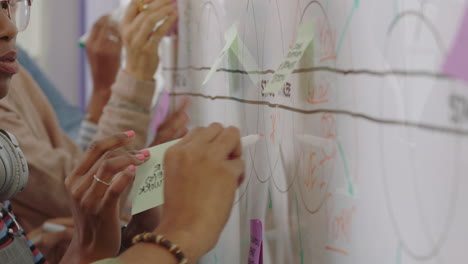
(18, 11)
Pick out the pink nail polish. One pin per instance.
(146, 153)
(130, 133)
(140, 157)
(132, 168)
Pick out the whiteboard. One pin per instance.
(389, 185)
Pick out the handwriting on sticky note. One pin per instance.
(305, 36)
(456, 64)
(148, 187)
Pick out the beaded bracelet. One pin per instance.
(162, 241)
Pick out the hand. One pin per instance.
(104, 49)
(174, 126)
(201, 176)
(53, 245)
(140, 41)
(95, 206)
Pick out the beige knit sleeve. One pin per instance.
(128, 109)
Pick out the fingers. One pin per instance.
(131, 12)
(174, 127)
(237, 168)
(145, 22)
(98, 148)
(162, 30)
(156, 5)
(119, 184)
(98, 27)
(228, 144)
(106, 173)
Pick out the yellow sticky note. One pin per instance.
(148, 187)
(305, 35)
(230, 36)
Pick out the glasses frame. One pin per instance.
(9, 12)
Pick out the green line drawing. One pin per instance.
(345, 30)
(216, 259)
(395, 8)
(270, 204)
(398, 255)
(301, 250)
(346, 168)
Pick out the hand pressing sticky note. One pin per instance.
(305, 35)
(148, 187)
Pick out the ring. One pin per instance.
(101, 181)
(113, 38)
(143, 7)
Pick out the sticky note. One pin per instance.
(148, 187)
(456, 64)
(305, 35)
(230, 36)
(162, 109)
(244, 56)
(240, 50)
(256, 242)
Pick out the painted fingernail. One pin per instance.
(146, 153)
(132, 167)
(140, 157)
(130, 133)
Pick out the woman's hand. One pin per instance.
(201, 175)
(141, 42)
(53, 244)
(96, 187)
(104, 49)
(174, 127)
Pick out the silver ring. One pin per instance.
(101, 181)
(143, 7)
(113, 38)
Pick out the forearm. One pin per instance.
(98, 101)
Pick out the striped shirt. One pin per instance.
(9, 226)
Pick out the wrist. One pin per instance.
(191, 241)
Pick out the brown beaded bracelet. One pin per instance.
(163, 242)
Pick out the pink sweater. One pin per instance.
(51, 155)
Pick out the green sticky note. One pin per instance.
(305, 35)
(245, 58)
(230, 36)
(148, 187)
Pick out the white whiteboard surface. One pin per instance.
(390, 185)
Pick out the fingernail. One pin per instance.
(132, 167)
(146, 153)
(130, 133)
(140, 157)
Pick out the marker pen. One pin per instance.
(250, 140)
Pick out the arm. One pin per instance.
(130, 102)
(51, 155)
(199, 193)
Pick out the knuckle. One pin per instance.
(233, 131)
(95, 146)
(216, 126)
